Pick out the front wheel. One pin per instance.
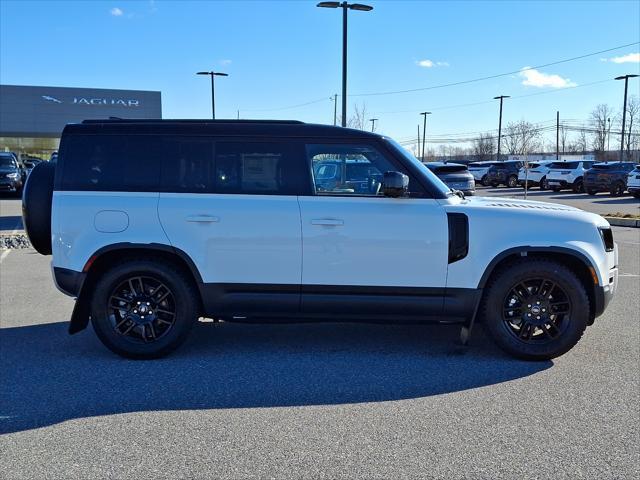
(617, 189)
(143, 309)
(535, 309)
(578, 187)
(544, 184)
(512, 181)
(484, 181)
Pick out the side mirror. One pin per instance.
(395, 184)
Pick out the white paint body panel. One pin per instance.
(236, 238)
(567, 174)
(373, 241)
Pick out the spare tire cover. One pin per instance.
(36, 206)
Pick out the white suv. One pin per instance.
(633, 182)
(479, 171)
(153, 224)
(568, 174)
(536, 176)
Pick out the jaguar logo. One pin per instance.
(51, 99)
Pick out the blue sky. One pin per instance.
(280, 54)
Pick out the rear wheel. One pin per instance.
(617, 189)
(512, 181)
(578, 186)
(535, 309)
(544, 184)
(143, 308)
(484, 182)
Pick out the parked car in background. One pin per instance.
(455, 175)
(30, 164)
(633, 182)
(479, 171)
(568, 175)
(536, 176)
(504, 173)
(608, 177)
(54, 157)
(349, 175)
(11, 173)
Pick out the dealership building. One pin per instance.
(32, 118)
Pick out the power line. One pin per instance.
(285, 108)
(489, 77)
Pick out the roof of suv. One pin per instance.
(290, 128)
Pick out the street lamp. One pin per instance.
(624, 110)
(501, 97)
(424, 131)
(345, 6)
(373, 123)
(213, 97)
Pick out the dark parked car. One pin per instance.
(455, 175)
(608, 177)
(11, 173)
(504, 173)
(352, 175)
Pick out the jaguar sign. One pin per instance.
(44, 111)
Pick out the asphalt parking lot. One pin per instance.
(324, 401)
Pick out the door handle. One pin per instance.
(202, 219)
(328, 222)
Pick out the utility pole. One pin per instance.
(373, 124)
(335, 108)
(624, 111)
(608, 133)
(501, 97)
(557, 135)
(418, 149)
(424, 131)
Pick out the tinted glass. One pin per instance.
(111, 163)
(349, 169)
(187, 164)
(587, 164)
(7, 161)
(265, 168)
(564, 165)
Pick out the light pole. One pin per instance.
(213, 96)
(624, 110)
(345, 6)
(424, 131)
(501, 97)
(608, 134)
(335, 108)
(373, 123)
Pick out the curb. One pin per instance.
(623, 222)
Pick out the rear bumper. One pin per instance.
(600, 186)
(68, 281)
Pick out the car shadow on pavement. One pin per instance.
(49, 377)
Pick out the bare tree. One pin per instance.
(521, 137)
(564, 138)
(484, 147)
(581, 142)
(598, 121)
(359, 117)
(633, 110)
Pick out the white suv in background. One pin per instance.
(479, 171)
(153, 224)
(536, 175)
(568, 174)
(633, 182)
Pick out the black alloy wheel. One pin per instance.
(617, 189)
(512, 181)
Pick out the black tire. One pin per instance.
(578, 186)
(617, 189)
(591, 191)
(497, 305)
(544, 184)
(512, 181)
(484, 182)
(138, 339)
(36, 206)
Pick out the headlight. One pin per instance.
(607, 238)
(14, 176)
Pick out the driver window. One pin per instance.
(348, 169)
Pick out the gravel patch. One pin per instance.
(14, 242)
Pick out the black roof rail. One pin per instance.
(201, 121)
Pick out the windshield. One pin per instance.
(7, 161)
(435, 181)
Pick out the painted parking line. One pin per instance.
(4, 255)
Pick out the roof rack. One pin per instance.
(158, 120)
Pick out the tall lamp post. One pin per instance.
(345, 7)
(624, 110)
(501, 97)
(424, 131)
(213, 96)
(373, 124)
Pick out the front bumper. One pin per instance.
(10, 185)
(604, 294)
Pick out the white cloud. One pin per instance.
(628, 58)
(535, 78)
(116, 12)
(225, 61)
(430, 63)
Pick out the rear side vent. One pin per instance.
(458, 236)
